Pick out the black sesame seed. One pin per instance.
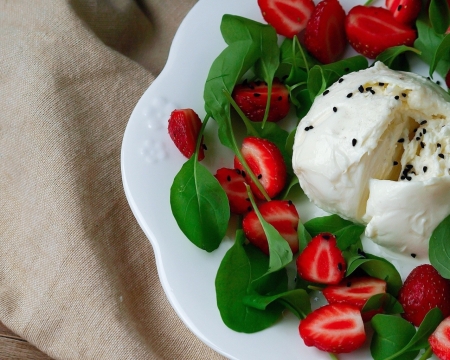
(397, 97)
(422, 144)
(256, 94)
(289, 202)
(204, 147)
(243, 173)
(438, 82)
(402, 177)
(339, 266)
(409, 166)
(408, 178)
(326, 237)
(349, 95)
(381, 84)
(415, 130)
(423, 122)
(361, 89)
(399, 8)
(438, 145)
(260, 176)
(413, 255)
(372, 91)
(368, 88)
(228, 178)
(247, 199)
(401, 140)
(441, 156)
(238, 171)
(325, 92)
(395, 163)
(341, 80)
(425, 168)
(403, 94)
(334, 108)
(354, 141)
(424, 131)
(417, 138)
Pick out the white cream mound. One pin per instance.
(375, 149)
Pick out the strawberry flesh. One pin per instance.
(233, 183)
(355, 291)
(371, 30)
(282, 215)
(423, 290)
(267, 163)
(252, 98)
(404, 11)
(335, 328)
(288, 17)
(325, 35)
(440, 340)
(184, 129)
(321, 261)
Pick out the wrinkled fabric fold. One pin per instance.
(77, 275)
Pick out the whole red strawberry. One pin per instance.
(325, 32)
(423, 290)
(252, 98)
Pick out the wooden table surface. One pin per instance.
(12, 347)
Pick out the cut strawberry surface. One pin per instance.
(233, 183)
(355, 291)
(252, 98)
(336, 328)
(267, 163)
(288, 17)
(371, 30)
(325, 35)
(447, 78)
(423, 290)
(440, 340)
(184, 129)
(282, 215)
(321, 261)
(404, 11)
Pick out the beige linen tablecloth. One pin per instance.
(77, 274)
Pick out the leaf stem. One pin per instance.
(333, 356)
(427, 354)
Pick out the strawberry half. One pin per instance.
(321, 261)
(325, 35)
(288, 17)
(355, 291)
(233, 183)
(282, 215)
(423, 290)
(336, 328)
(184, 129)
(440, 340)
(252, 97)
(267, 163)
(371, 30)
(404, 11)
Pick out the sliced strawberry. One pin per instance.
(404, 11)
(355, 291)
(267, 163)
(371, 30)
(322, 261)
(288, 17)
(423, 290)
(282, 215)
(325, 35)
(336, 328)
(184, 129)
(447, 78)
(440, 340)
(233, 183)
(252, 97)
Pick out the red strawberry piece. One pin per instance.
(440, 340)
(423, 290)
(252, 97)
(325, 35)
(322, 261)
(288, 17)
(267, 163)
(336, 328)
(447, 78)
(282, 215)
(184, 129)
(371, 30)
(404, 11)
(355, 291)
(233, 183)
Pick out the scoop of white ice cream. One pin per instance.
(375, 149)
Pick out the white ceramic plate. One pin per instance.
(150, 161)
